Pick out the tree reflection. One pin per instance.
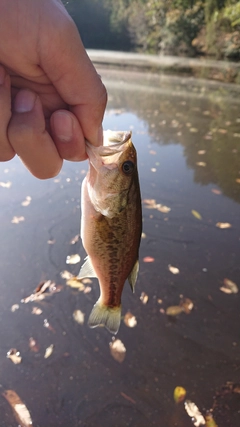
(203, 119)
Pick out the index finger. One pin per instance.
(68, 66)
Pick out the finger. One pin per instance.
(6, 151)
(68, 136)
(29, 138)
(68, 66)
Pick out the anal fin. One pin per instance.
(132, 278)
(86, 270)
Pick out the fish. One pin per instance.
(111, 224)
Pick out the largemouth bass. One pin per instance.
(111, 224)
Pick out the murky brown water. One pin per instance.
(188, 139)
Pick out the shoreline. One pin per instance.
(222, 71)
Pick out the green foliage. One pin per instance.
(175, 27)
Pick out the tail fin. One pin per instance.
(103, 315)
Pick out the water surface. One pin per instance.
(187, 134)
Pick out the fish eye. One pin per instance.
(128, 167)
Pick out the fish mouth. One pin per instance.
(114, 143)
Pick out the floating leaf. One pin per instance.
(5, 184)
(48, 351)
(51, 241)
(229, 287)
(144, 235)
(174, 310)
(78, 316)
(196, 214)
(75, 239)
(76, 283)
(117, 350)
(216, 191)
(193, 130)
(144, 298)
(33, 345)
(162, 208)
(179, 394)
(14, 355)
(209, 420)
(201, 152)
(37, 311)
(47, 325)
(223, 225)
(17, 219)
(73, 259)
(66, 275)
(20, 410)
(27, 201)
(151, 204)
(193, 412)
(153, 170)
(174, 270)
(14, 307)
(40, 292)
(238, 180)
(130, 320)
(187, 305)
(148, 259)
(202, 164)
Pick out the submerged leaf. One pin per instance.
(194, 413)
(21, 412)
(196, 214)
(73, 259)
(78, 316)
(14, 355)
(117, 350)
(179, 394)
(174, 310)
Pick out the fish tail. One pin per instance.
(102, 314)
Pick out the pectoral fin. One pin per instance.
(132, 278)
(86, 270)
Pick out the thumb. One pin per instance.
(69, 68)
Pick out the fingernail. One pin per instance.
(24, 101)
(63, 126)
(2, 75)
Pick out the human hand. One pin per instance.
(51, 97)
